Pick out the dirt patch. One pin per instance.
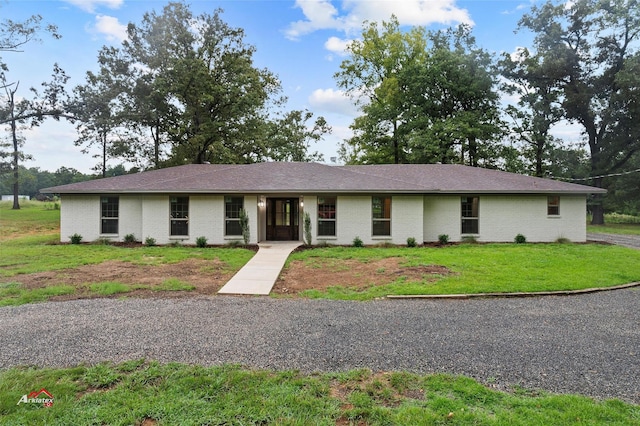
(207, 276)
(324, 273)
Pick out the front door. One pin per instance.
(282, 219)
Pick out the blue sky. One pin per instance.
(302, 41)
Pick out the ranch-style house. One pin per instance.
(377, 203)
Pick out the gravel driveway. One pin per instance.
(588, 344)
(631, 241)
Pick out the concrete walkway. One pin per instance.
(260, 273)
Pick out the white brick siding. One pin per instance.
(502, 217)
(421, 217)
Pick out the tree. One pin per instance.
(592, 45)
(425, 97)
(200, 70)
(14, 35)
(538, 107)
(290, 137)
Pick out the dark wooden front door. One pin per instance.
(282, 219)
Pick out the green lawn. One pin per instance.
(615, 228)
(139, 392)
(488, 268)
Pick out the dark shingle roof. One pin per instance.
(318, 178)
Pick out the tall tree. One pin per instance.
(202, 67)
(593, 45)
(538, 108)
(14, 35)
(425, 96)
(290, 137)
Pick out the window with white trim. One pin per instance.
(326, 216)
(553, 205)
(232, 208)
(381, 215)
(179, 212)
(470, 215)
(109, 212)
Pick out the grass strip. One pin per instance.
(136, 392)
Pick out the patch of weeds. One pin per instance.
(150, 241)
(102, 241)
(174, 284)
(12, 294)
(101, 376)
(563, 240)
(108, 288)
(470, 239)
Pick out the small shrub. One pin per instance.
(411, 242)
(201, 242)
(150, 241)
(520, 239)
(308, 239)
(176, 243)
(443, 238)
(75, 238)
(103, 241)
(563, 240)
(385, 244)
(357, 242)
(130, 238)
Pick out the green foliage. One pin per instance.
(139, 392)
(520, 239)
(174, 284)
(130, 239)
(357, 242)
(12, 293)
(308, 239)
(75, 238)
(469, 239)
(150, 241)
(411, 242)
(244, 225)
(201, 242)
(443, 239)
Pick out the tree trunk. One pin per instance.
(16, 153)
(597, 208)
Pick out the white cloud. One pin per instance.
(323, 15)
(111, 28)
(91, 5)
(337, 45)
(333, 101)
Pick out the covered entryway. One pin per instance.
(282, 219)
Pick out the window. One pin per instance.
(381, 213)
(179, 215)
(553, 205)
(326, 216)
(109, 215)
(232, 208)
(470, 215)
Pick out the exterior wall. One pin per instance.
(354, 219)
(502, 217)
(80, 214)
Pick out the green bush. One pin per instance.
(130, 238)
(201, 242)
(469, 239)
(520, 239)
(411, 242)
(357, 242)
(150, 241)
(443, 238)
(75, 238)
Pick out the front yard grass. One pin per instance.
(483, 268)
(150, 393)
